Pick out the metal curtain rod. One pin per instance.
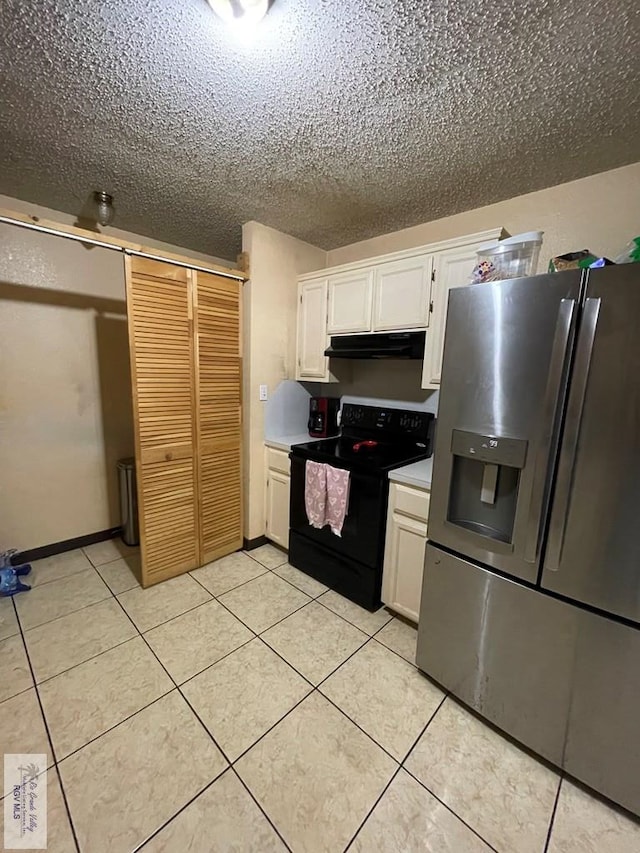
(45, 229)
(182, 264)
(33, 226)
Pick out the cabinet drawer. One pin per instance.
(278, 460)
(410, 501)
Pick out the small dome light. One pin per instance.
(104, 207)
(240, 11)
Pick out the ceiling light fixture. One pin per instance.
(242, 12)
(104, 207)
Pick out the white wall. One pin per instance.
(269, 343)
(601, 213)
(65, 393)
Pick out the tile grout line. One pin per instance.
(178, 687)
(135, 553)
(76, 665)
(228, 769)
(42, 583)
(207, 732)
(315, 687)
(20, 692)
(75, 610)
(70, 612)
(231, 589)
(366, 642)
(389, 649)
(156, 832)
(316, 598)
(231, 764)
(271, 728)
(553, 814)
(373, 807)
(175, 687)
(54, 765)
(446, 696)
(256, 560)
(400, 768)
(449, 809)
(115, 725)
(219, 660)
(255, 800)
(184, 698)
(253, 631)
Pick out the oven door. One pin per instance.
(362, 537)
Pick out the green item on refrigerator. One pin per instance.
(630, 254)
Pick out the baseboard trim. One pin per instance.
(66, 545)
(250, 544)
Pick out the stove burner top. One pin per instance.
(374, 440)
(362, 453)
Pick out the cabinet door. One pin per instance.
(159, 309)
(219, 413)
(278, 488)
(401, 294)
(404, 565)
(451, 268)
(350, 302)
(312, 331)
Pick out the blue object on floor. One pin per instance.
(10, 582)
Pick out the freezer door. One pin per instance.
(502, 648)
(506, 356)
(593, 552)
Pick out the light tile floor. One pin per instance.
(245, 707)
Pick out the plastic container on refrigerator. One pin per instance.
(514, 257)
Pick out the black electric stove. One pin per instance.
(373, 441)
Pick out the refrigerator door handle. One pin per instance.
(551, 411)
(575, 409)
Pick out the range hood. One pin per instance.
(381, 345)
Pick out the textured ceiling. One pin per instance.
(341, 121)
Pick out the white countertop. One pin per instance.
(418, 474)
(284, 442)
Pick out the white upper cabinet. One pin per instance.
(312, 364)
(404, 290)
(451, 268)
(350, 302)
(401, 294)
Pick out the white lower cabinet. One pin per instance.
(278, 489)
(406, 541)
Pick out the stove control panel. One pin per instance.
(392, 423)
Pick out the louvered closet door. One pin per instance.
(160, 311)
(219, 408)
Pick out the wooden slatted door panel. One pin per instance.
(219, 407)
(160, 312)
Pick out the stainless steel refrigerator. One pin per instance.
(530, 608)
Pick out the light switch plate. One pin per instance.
(263, 392)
